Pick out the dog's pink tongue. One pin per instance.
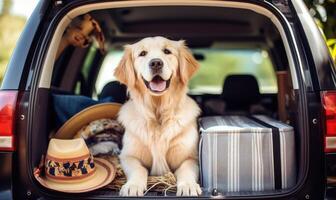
(157, 85)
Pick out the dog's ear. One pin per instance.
(125, 71)
(188, 65)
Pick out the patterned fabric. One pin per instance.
(100, 131)
(69, 169)
(236, 154)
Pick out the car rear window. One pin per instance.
(215, 66)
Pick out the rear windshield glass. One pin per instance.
(215, 66)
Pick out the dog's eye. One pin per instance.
(166, 51)
(143, 53)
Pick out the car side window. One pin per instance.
(105, 74)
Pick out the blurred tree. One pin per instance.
(11, 27)
(6, 7)
(324, 13)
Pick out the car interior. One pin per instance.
(226, 31)
(244, 68)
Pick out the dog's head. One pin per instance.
(156, 64)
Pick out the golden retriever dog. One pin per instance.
(159, 118)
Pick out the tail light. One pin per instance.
(7, 119)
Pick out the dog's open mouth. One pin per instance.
(157, 84)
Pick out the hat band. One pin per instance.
(70, 177)
(73, 169)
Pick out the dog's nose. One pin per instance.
(156, 64)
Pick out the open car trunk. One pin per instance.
(228, 26)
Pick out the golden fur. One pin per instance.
(161, 131)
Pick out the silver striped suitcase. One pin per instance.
(246, 154)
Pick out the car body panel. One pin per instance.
(27, 58)
(6, 175)
(321, 64)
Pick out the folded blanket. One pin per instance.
(103, 136)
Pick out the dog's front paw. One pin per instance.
(188, 189)
(132, 189)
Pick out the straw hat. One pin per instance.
(70, 168)
(75, 123)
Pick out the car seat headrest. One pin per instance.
(116, 90)
(240, 91)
